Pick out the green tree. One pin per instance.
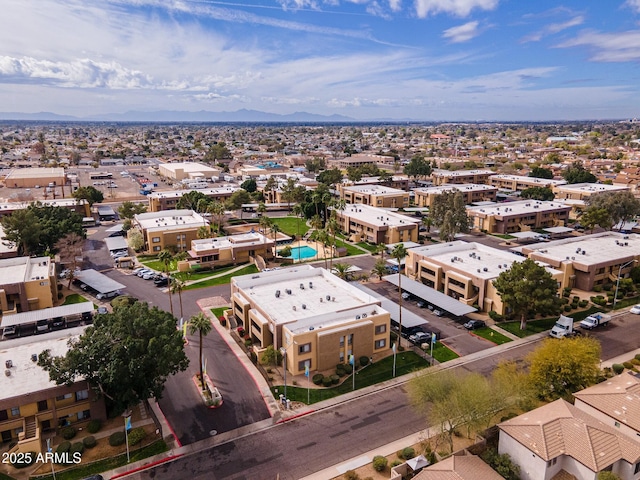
(130, 209)
(538, 193)
(249, 185)
(541, 172)
(90, 194)
(379, 269)
(192, 200)
(22, 229)
(126, 355)
(216, 209)
(576, 173)
(528, 289)
(217, 151)
(449, 214)
(594, 216)
(622, 206)
(289, 192)
(177, 286)
(418, 167)
(166, 257)
(354, 174)
(399, 252)
(135, 239)
(330, 177)
(315, 164)
(502, 464)
(201, 325)
(342, 270)
(557, 369)
(237, 199)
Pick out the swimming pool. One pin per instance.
(302, 253)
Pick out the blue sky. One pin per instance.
(441, 60)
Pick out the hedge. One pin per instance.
(64, 447)
(68, 433)
(136, 435)
(317, 379)
(116, 439)
(380, 463)
(617, 368)
(90, 441)
(94, 426)
(326, 381)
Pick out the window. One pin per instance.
(350, 337)
(341, 356)
(82, 395)
(381, 329)
(84, 414)
(66, 396)
(15, 411)
(3, 415)
(381, 343)
(552, 462)
(42, 405)
(341, 342)
(306, 348)
(636, 469)
(155, 239)
(303, 364)
(156, 248)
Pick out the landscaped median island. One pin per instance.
(537, 326)
(493, 336)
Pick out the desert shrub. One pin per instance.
(348, 369)
(502, 464)
(406, 453)
(637, 357)
(89, 442)
(334, 379)
(564, 301)
(567, 308)
(136, 435)
(223, 322)
(628, 365)
(395, 463)
(326, 381)
(254, 357)
(77, 447)
(241, 331)
(351, 475)
(635, 361)
(247, 342)
(576, 299)
(317, 379)
(63, 447)
(68, 433)
(116, 439)
(340, 372)
(60, 295)
(566, 294)
(583, 303)
(380, 463)
(94, 426)
(28, 459)
(364, 361)
(597, 288)
(617, 368)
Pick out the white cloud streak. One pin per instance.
(462, 33)
(608, 47)
(634, 5)
(459, 8)
(554, 28)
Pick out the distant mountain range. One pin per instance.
(181, 116)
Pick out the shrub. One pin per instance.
(223, 322)
(564, 301)
(567, 308)
(635, 361)
(334, 379)
(617, 368)
(380, 463)
(566, 294)
(136, 435)
(68, 433)
(628, 365)
(364, 361)
(89, 442)
(116, 439)
(94, 426)
(406, 453)
(60, 295)
(317, 379)
(63, 447)
(340, 372)
(395, 463)
(241, 331)
(576, 299)
(254, 356)
(348, 369)
(76, 447)
(597, 288)
(247, 342)
(29, 458)
(583, 303)
(326, 381)
(637, 357)
(351, 475)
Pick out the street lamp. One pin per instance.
(283, 351)
(615, 297)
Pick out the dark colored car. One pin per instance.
(474, 324)
(161, 281)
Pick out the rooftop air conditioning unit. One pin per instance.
(304, 306)
(277, 293)
(328, 297)
(485, 269)
(310, 284)
(364, 315)
(294, 308)
(34, 357)
(302, 286)
(583, 252)
(7, 373)
(479, 270)
(333, 299)
(8, 364)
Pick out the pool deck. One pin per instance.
(317, 247)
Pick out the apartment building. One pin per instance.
(30, 403)
(396, 181)
(589, 260)
(518, 216)
(231, 250)
(375, 195)
(517, 183)
(81, 207)
(188, 170)
(365, 223)
(27, 284)
(442, 177)
(361, 159)
(174, 229)
(168, 200)
(464, 271)
(472, 193)
(582, 191)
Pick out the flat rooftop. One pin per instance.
(26, 376)
(302, 297)
(473, 258)
(35, 172)
(170, 219)
(231, 241)
(599, 248)
(530, 180)
(189, 167)
(592, 188)
(377, 216)
(219, 191)
(461, 187)
(521, 207)
(461, 173)
(374, 190)
(24, 269)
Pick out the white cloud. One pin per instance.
(462, 33)
(396, 5)
(554, 28)
(460, 8)
(634, 5)
(608, 47)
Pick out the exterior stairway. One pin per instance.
(30, 427)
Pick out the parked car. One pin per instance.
(144, 271)
(9, 332)
(137, 270)
(474, 324)
(104, 296)
(406, 295)
(421, 304)
(102, 310)
(635, 309)
(42, 326)
(420, 338)
(161, 282)
(149, 275)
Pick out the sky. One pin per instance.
(430, 60)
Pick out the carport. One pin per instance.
(106, 213)
(68, 313)
(99, 282)
(409, 319)
(115, 243)
(431, 296)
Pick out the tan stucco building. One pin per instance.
(188, 170)
(472, 193)
(168, 200)
(231, 250)
(518, 216)
(174, 229)
(517, 183)
(364, 223)
(312, 316)
(442, 177)
(27, 284)
(375, 195)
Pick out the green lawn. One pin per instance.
(442, 353)
(109, 463)
(5, 477)
(492, 335)
(156, 264)
(197, 274)
(74, 298)
(289, 225)
(367, 246)
(406, 362)
(219, 311)
(537, 326)
(223, 279)
(351, 249)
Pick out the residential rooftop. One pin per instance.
(24, 269)
(521, 207)
(461, 173)
(377, 216)
(170, 219)
(531, 180)
(220, 191)
(374, 190)
(462, 187)
(231, 241)
(593, 187)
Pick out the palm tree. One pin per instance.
(342, 270)
(381, 248)
(379, 269)
(399, 252)
(275, 228)
(166, 257)
(265, 223)
(204, 232)
(332, 226)
(262, 208)
(216, 209)
(177, 287)
(200, 324)
(298, 212)
(427, 222)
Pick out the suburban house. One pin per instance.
(523, 215)
(365, 223)
(27, 284)
(313, 317)
(231, 250)
(472, 193)
(169, 229)
(459, 467)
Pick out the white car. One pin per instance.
(135, 271)
(635, 309)
(149, 275)
(144, 271)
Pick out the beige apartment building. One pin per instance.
(464, 271)
(173, 229)
(361, 159)
(168, 200)
(582, 191)
(31, 404)
(472, 193)
(27, 284)
(81, 207)
(518, 216)
(313, 317)
(442, 177)
(375, 195)
(364, 223)
(231, 250)
(589, 260)
(400, 182)
(517, 183)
